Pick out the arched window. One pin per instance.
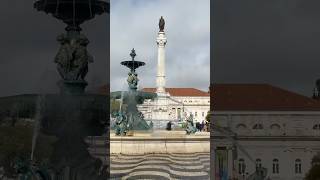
(242, 166)
(257, 126)
(241, 127)
(297, 166)
(258, 163)
(195, 114)
(275, 166)
(275, 127)
(316, 127)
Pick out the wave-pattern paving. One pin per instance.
(160, 166)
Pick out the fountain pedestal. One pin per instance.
(72, 87)
(72, 118)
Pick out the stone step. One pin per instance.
(171, 156)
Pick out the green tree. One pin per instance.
(314, 172)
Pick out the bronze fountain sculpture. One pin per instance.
(72, 115)
(132, 117)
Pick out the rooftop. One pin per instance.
(180, 91)
(259, 97)
(246, 97)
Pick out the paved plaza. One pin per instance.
(160, 166)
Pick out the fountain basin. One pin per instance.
(160, 142)
(72, 12)
(61, 112)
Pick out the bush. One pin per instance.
(314, 172)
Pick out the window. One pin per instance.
(316, 127)
(257, 126)
(258, 163)
(202, 114)
(242, 166)
(275, 127)
(241, 127)
(275, 166)
(195, 114)
(297, 166)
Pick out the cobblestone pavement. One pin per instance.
(160, 166)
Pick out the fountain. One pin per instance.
(132, 119)
(72, 115)
(133, 135)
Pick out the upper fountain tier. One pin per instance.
(133, 65)
(72, 12)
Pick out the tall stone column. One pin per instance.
(161, 81)
(161, 103)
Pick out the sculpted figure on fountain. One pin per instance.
(73, 58)
(190, 126)
(121, 126)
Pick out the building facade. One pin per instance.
(259, 125)
(177, 104)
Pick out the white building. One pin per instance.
(262, 125)
(177, 104)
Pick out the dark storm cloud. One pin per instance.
(28, 47)
(275, 42)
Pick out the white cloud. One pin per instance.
(134, 23)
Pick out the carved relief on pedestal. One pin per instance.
(161, 41)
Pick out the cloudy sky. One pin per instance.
(134, 24)
(255, 41)
(28, 47)
(267, 41)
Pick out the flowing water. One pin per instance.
(36, 128)
(123, 90)
(121, 101)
